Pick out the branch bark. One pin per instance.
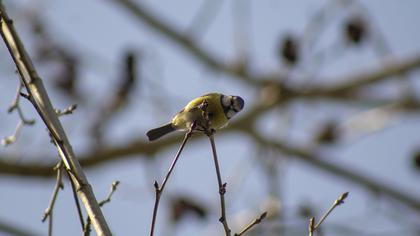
(40, 100)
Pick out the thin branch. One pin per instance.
(58, 185)
(158, 191)
(40, 100)
(87, 228)
(111, 192)
(22, 120)
(76, 201)
(222, 187)
(252, 224)
(313, 227)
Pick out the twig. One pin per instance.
(159, 190)
(23, 121)
(87, 228)
(40, 100)
(111, 192)
(69, 110)
(252, 224)
(58, 185)
(313, 227)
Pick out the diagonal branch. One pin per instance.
(252, 224)
(313, 227)
(159, 190)
(40, 100)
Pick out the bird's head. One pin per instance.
(232, 105)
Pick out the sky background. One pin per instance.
(100, 31)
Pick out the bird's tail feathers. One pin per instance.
(156, 133)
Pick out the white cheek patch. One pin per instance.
(226, 101)
(230, 114)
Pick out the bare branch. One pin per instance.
(40, 99)
(222, 187)
(58, 185)
(158, 191)
(252, 224)
(23, 121)
(111, 192)
(313, 227)
(87, 228)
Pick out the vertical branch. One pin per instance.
(40, 100)
(222, 186)
(158, 191)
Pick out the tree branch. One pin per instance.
(159, 190)
(40, 100)
(222, 186)
(339, 201)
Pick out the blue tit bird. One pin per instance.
(220, 108)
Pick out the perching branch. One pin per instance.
(159, 190)
(313, 227)
(222, 186)
(40, 100)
